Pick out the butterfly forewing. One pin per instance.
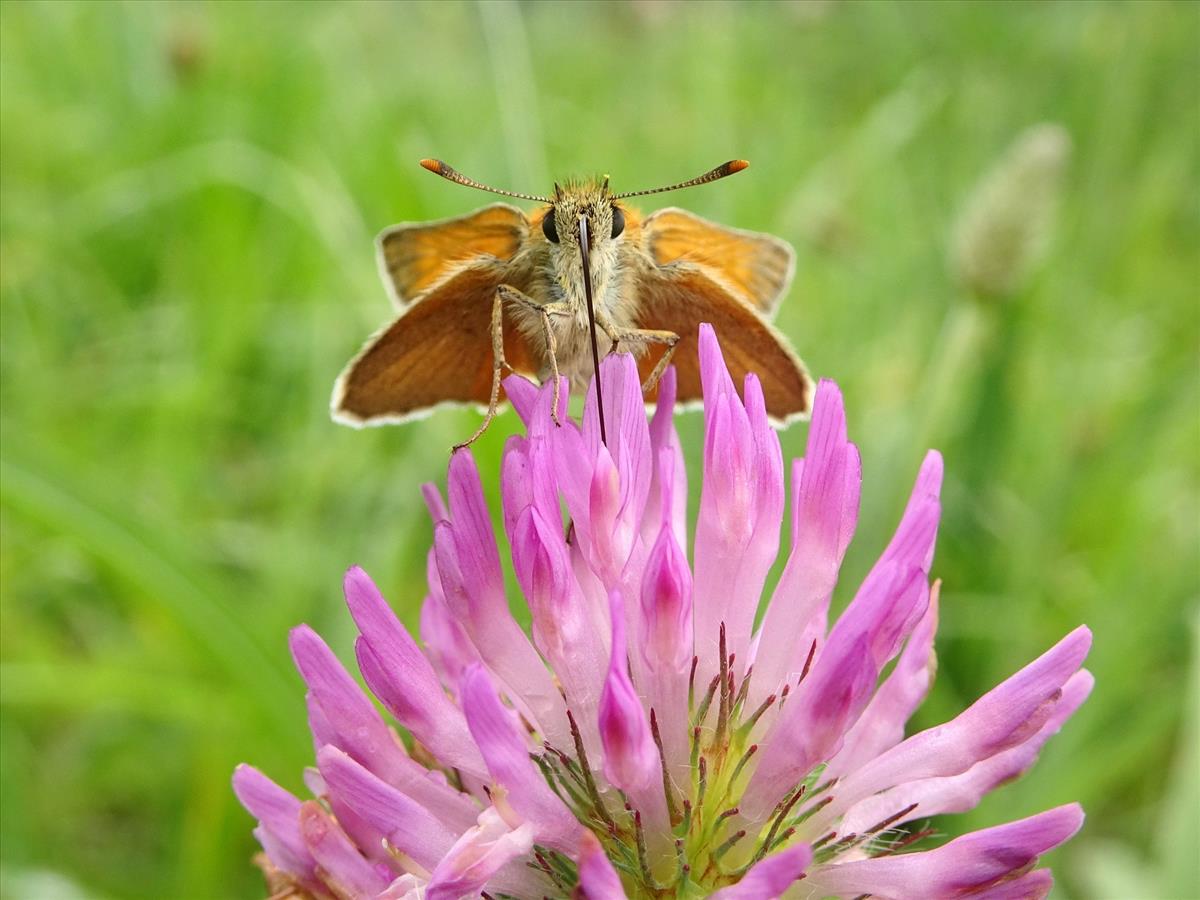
(415, 258)
(756, 268)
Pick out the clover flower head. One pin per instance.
(645, 739)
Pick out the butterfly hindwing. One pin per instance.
(679, 297)
(436, 351)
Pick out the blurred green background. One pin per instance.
(190, 193)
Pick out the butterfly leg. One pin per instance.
(627, 338)
(499, 364)
(510, 295)
(671, 340)
(543, 312)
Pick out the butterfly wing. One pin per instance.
(436, 351)
(679, 297)
(415, 257)
(756, 268)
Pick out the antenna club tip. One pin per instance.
(734, 165)
(433, 165)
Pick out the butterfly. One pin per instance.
(549, 293)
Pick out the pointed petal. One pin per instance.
(522, 394)
(407, 825)
(516, 480)
(605, 486)
(665, 644)
(1002, 718)
(434, 502)
(469, 565)
(446, 643)
(881, 726)
(631, 759)
(962, 792)
(886, 609)
(527, 479)
(626, 416)
(567, 632)
(666, 606)
(769, 877)
(894, 596)
(542, 564)
(598, 880)
(477, 856)
(827, 501)
(507, 755)
(974, 862)
(915, 537)
(473, 527)
(879, 609)
(667, 498)
(348, 714)
(278, 814)
(400, 675)
(609, 544)
(345, 717)
(533, 403)
(811, 726)
(342, 868)
(826, 491)
(741, 502)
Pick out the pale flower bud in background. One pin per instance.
(1005, 226)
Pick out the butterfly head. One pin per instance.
(584, 224)
(582, 209)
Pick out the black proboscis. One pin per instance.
(587, 290)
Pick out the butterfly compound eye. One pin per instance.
(618, 221)
(549, 229)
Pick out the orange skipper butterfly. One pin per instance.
(551, 292)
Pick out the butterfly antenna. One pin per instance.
(591, 311)
(730, 168)
(450, 174)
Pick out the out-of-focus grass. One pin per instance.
(189, 197)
